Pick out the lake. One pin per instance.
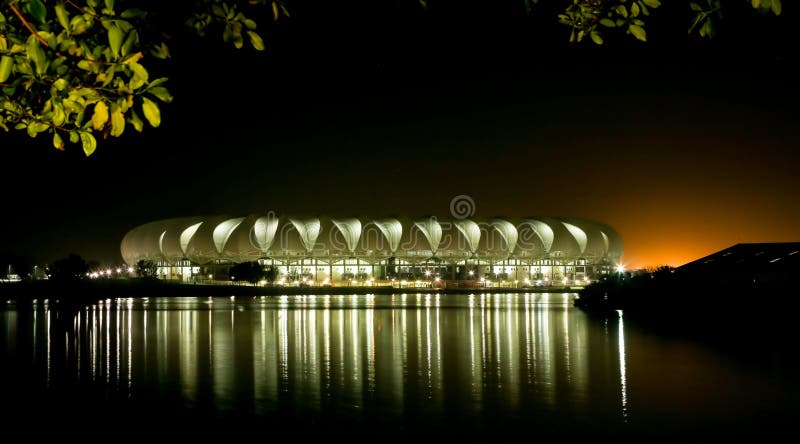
(379, 366)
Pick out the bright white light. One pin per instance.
(564, 281)
(620, 268)
(471, 273)
(119, 270)
(427, 273)
(437, 279)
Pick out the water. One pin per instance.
(380, 365)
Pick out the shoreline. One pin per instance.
(82, 290)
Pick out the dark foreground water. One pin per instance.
(375, 367)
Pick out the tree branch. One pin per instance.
(13, 7)
(83, 11)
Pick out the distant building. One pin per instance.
(10, 275)
(328, 250)
(748, 265)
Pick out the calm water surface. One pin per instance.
(490, 363)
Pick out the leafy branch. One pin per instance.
(81, 69)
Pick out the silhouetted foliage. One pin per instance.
(70, 268)
(270, 274)
(248, 272)
(146, 269)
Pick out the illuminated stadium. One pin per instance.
(363, 251)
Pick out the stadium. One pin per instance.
(363, 251)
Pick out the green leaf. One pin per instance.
(74, 137)
(6, 63)
(58, 115)
(109, 75)
(36, 55)
(596, 37)
(638, 32)
(635, 10)
(100, 116)
(115, 36)
(652, 3)
(133, 13)
(89, 143)
(161, 93)
(238, 40)
(776, 7)
(117, 122)
(256, 41)
(63, 16)
(57, 142)
(227, 33)
(131, 40)
(707, 30)
(157, 82)
(151, 112)
(250, 24)
(37, 9)
(608, 23)
(60, 84)
(140, 75)
(160, 51)
(136, 121)
(34, 128)
(85, 65)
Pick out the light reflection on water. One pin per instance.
(483, 361)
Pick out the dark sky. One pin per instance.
(377, 108)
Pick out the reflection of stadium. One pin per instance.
(332, 250)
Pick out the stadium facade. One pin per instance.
(325, 250)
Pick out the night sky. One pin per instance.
(683, 146)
